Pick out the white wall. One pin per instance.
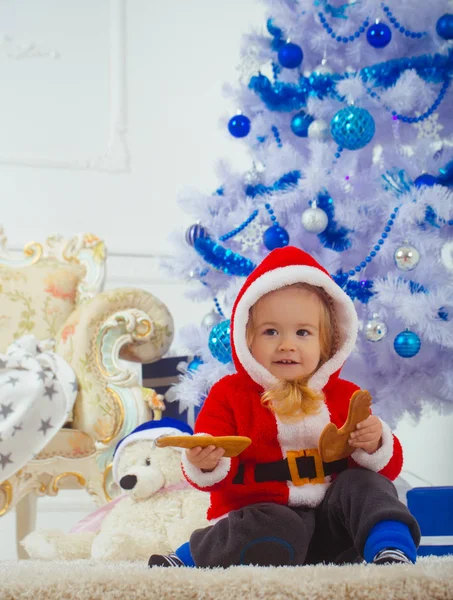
(108, 110)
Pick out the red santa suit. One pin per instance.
(233, 406)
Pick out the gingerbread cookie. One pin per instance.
(333, 442)
(232, 444)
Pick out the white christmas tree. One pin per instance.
(347, 110)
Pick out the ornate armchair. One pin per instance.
(55, 291)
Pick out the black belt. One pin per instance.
(299, 467)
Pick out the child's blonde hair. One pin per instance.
(294, 400)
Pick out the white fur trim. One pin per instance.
(201, 479)
(379, 459)
(145, 434)
(304, 434)
(276, 279)
(310, 494)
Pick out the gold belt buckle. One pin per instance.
(291, 455)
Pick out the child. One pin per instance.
(292, 329)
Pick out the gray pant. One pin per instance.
(270, 534)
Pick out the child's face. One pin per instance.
(286, 333)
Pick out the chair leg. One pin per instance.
(25, 521)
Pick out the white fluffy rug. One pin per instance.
(430, 578)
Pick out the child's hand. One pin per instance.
(205, 459)
(367, 435)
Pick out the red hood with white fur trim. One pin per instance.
(286, 266)
(233, 405)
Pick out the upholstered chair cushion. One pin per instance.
(37, 299)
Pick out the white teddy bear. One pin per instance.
(158, 513)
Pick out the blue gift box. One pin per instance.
(433, 509)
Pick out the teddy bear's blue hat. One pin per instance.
(150, 430)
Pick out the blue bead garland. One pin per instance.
(397, 25)
(276, 133)
(218, 307)
(342, 39)
(337, 155)
(241, 227)
(405, 119)
(377, 247)
(355, 36)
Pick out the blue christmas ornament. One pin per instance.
(444, 27)
(194, 233)
(194, 364)
(378, 35)
(407, 344)
(446, 174)
(275, 237)
(352, 127)
(219, 342)
(425, 179)
(239, 126)
(290, 56)
(300, 124)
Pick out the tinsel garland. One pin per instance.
(288, 97)
(333, 237)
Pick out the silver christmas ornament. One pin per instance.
(407, 257)
(314, 220)
(252, 177)
(323, 68)
(447, 255)
(375, 330)
(318, 130)
(211, 319)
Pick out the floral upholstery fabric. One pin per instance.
(69, 443)
(36, 299)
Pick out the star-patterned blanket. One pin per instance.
(37, 392)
